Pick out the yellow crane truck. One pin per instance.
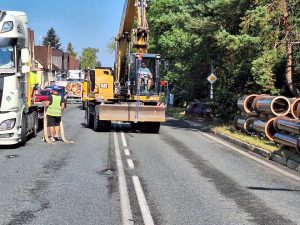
(127, 94)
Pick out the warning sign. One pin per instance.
(212, 78)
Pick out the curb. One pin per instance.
(291, 164)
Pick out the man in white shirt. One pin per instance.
(145, 78)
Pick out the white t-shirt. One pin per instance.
(144, 73)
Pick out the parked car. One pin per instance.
(43, 95)
(202, 109)
(62, 91)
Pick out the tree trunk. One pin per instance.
(289, 64)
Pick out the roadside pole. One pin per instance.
(212, 78)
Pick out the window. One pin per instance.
(6, 57)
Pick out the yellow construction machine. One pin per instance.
(130, 92)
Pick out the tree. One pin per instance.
(276, 23)
(88, 58)
(71, 50)
(194, 35)
(110, 47)
(254, 46)
(52, 39)
(98, 64)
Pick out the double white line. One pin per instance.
(126, 151)
(125, 203)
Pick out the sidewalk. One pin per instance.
(288, 158)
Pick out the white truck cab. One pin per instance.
(18, 117)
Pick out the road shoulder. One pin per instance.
(291, 163)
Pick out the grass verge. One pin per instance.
(252, 140)
(177, 113)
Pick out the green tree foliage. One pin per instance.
(71, 50)
(276, 24)
(52, 39)
(98, 64)
(88, 58)
(245, 41)
(110, 47)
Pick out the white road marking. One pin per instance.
(125, 205)
(127, 152)
(122, 136)
(142, 201)
(123, 139)
(130, 164)
(251, 156)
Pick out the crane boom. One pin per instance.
(134, 10)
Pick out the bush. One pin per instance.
(225, 105)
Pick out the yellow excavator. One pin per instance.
(131, 91)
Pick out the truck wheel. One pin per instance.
(155, 126)
(143, 127)
(88, 118)
(98, 125)
(35, 125)
(149, 127)
(23, 130)
(106, 125)
(134, 126)
(41, 124)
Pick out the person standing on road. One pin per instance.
(55, 107)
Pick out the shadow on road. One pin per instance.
(271, 189)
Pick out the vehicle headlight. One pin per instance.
(7, 26)
(7, 124)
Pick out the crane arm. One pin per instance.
(133, 11)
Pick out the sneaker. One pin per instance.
(52, 139)
(56, 138)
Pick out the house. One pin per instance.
(65, 63)
(72, 60)
(57, 60)
(43, 55)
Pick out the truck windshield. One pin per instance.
(6, 57)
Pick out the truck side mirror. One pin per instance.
(25, 69)
(25, 55)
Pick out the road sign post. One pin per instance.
(212, 79)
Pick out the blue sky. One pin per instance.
(84, 23)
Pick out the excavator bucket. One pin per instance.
(131, 112)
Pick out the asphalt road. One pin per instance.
(180, 176)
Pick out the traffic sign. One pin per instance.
(212, 78)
